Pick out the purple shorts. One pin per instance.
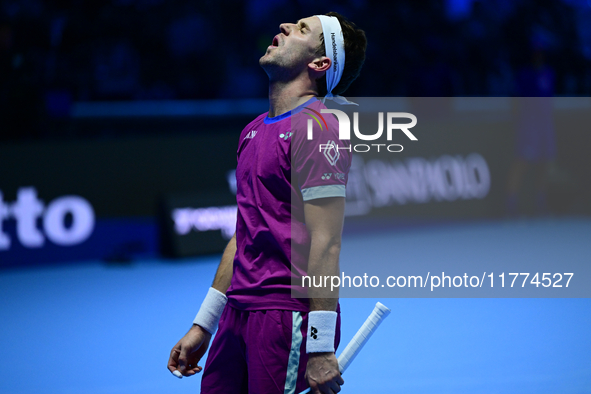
(259, 352)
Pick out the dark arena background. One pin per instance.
(119, 125)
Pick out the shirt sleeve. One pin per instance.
(320, 164)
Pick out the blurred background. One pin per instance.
(118, 133)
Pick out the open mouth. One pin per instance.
(275, 41)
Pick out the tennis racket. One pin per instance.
(379, 313)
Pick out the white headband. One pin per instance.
(334, 45)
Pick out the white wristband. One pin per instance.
(321, 331)
(211, 310)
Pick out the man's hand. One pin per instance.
(185, 355)
(322, 373)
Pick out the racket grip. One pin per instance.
(353, 348)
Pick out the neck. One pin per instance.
(285, 96)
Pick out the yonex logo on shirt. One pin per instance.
(313, 332)
(326, 175)
(251, 134)
(286, 135)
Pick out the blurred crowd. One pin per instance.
(54, 53)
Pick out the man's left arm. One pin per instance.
(324, 220)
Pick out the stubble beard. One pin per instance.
(273, 65)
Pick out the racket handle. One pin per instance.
(354, 346)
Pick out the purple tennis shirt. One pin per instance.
(278, 169)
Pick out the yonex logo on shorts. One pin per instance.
(313, 332)
(326, 176)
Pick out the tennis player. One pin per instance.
(291, 201)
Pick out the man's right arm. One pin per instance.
(185, 355)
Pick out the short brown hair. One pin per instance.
(355, 44)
